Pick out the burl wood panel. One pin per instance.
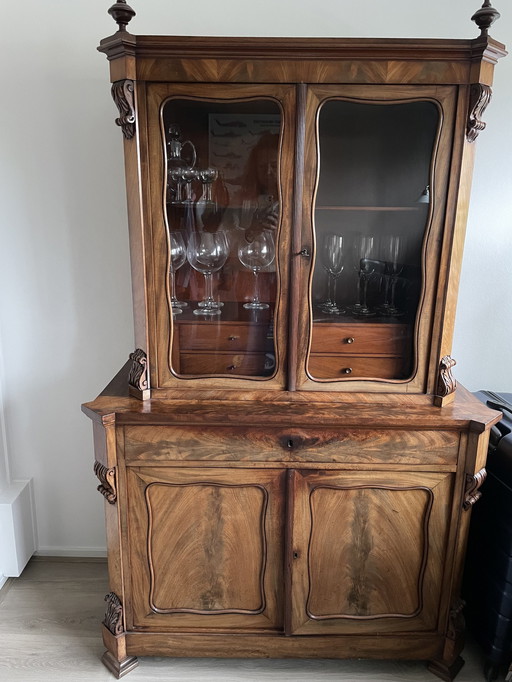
(160, 444)
(197, 569)
(211, 542)
(367, 551)
(366, 559)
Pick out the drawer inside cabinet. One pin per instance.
(359, 338)
(224, 337)
(334, 366)
(226, 363)
(189, 443)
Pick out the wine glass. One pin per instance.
(207, 252)
(331, 257)
(178, 255)
(364, 248)
(393, 249)
(256, 255)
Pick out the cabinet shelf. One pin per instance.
(370, 208)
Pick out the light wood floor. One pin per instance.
(49, 632)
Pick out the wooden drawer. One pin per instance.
(249, 364)
(351, 366)
(224, 336)
(381, 339)
(231, 443)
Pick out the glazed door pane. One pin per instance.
(222, 210)
(371, 211)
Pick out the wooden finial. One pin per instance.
(485, 17)
(122, 14)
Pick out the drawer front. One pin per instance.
(289, 444)
(336, 366)
(224, 337)
(226, 363)
(356, 339)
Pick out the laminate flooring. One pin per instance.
(49, 632)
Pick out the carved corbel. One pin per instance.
(138, 383)
(113, 620)
(122, 93)
(479, 98)
(456, 623)
(446, 384)
(107, 479)
(472, 490)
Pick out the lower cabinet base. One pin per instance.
(119, 668)
(444, 671)
(181, 645)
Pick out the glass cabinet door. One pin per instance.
(222, 214)
(371, 211)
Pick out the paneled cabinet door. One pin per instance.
(367, 551)
(205, 548)
(377, 162)
(220, 194)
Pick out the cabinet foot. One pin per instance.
(444, 671)
(119, 668)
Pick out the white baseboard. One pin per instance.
(17, 533)
(79, 552)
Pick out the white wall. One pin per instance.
(65, 313)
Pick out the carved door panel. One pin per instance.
(205, 548)
(367, 551)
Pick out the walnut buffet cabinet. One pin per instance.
(287, 463)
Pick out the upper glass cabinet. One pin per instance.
(371, 211)
(222, 214)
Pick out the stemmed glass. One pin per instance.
(188, 175)
(207, 177)
(178, 255)
(207, 252)
(393, 248)
(256, 255)
(363, 250)
(331, 256)
(175, 175)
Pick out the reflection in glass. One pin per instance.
(178, 256)
(332, 258)
(392, 254)
(364, 247)
(374, 189)
(223, 187)
(207, 253)
(256, 255)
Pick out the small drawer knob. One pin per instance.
(349, 339)
(346, 370)
(233, 338)
(230, 368)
